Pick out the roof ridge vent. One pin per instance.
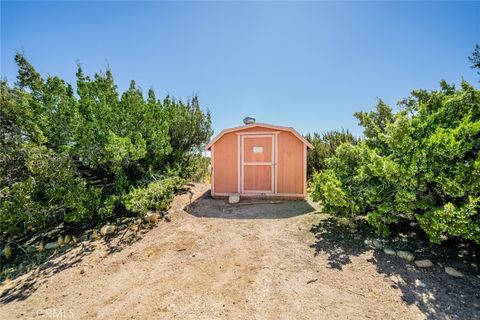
(249, 120)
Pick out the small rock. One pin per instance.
(41, 247)
(95, 235)
(84, 237)
(122, 226)
(7, 251)
(234, 198)
(397, 279)
(67, 239)
(424, 263)
(60, 241)
(138, 222)
(22, 268)
(282, 266)
(453, 272)
(82, 271)
(368, 242)
(377, 244)
(406, 255)
(51, 245)
(107, 230)
(389, 251)
(168, 219)
(419, 283)
(151, 217)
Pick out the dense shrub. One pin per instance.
(324, 147)
(157, 195)
(421, 163)
(197, 168)
(84, 157)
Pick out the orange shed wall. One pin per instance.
(290, 162)
(225, 164)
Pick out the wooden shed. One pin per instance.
(259, 159)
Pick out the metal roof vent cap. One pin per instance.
(249, 120)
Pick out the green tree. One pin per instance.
(324, 147)
(86, 157)
(475, 58)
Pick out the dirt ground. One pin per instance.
(246, 261)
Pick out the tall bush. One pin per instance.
(86, 156)
(324, 147)
(421, 163)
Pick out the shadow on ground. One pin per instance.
(38, 267)
(206, 206)
(437, 295)
(45, 267)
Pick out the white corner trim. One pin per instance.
(212, 173)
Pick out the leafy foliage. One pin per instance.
(324, 147)
(83, 157)
(421, 163)
(156, 196)
(475, 58)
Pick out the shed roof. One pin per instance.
(264, 125)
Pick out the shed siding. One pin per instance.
(225, 164)
(290, 164)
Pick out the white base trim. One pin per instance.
(257, 192)
(266, 195)
(220, 194)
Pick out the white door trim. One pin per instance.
(242, 163)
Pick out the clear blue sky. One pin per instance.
(307, 65)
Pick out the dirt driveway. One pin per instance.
(219, 261)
